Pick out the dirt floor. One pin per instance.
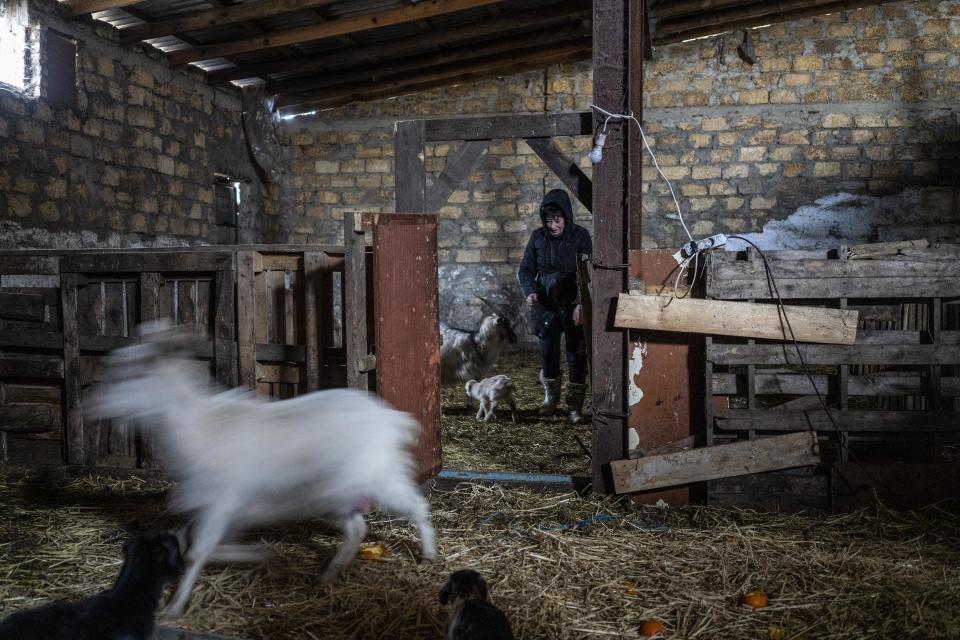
(559, 565)
(532, 445)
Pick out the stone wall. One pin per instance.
(131, 162)
(845, 129)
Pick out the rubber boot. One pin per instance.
(551, 395)
(575, 394)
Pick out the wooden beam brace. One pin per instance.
(746, 319)
(508, 127)
(459, 166)
(502, 27)
(721, 461)
(505, 64)
(353, 24)
(567, 170)
(217, 18)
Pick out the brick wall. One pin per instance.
(848, 121)
(130, 163)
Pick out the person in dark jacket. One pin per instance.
(548, 278)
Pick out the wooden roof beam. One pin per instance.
(438, 77)
(83, 7)
(216, 18)
(505, 25)
(376, 72)
(341, 26)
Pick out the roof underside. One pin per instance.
(316, 54)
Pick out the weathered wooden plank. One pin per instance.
(883, 249)
(770, 354)
(281, 353)
(135, 262)
(90, 308)
(409, 169)
(638, 46)
(246, 329)
(114, 316)
(21, 306)
(75, 439)
(24, 264)
(224, 330)
(874, 384)
(507, 127)
(610, 210)
(203, 306)
(826, 287)
(564, 168)
(355, 309)
(720, 461)
(313, 266)
(31, 366)
(716, 317)
(851, 420)
(459, 165)
(26, 418)
(278, 373)
(914, 265)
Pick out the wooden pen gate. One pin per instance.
(273, 316)
(894, 395)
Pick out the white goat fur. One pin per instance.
(243, 461)
(460, 358)
(490, 392)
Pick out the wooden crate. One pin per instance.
(272, 317)
(894, 395)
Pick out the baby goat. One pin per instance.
(469, 355)
(471, 616)
(490, 392)
(123, 612)
(243, 461)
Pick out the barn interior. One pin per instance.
(311, 185)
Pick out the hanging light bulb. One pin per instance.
(596, 154)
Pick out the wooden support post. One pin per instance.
(314, 263)
(246, 327)
(150, 283)
(638, 47)
(610, 58)
(355, 303)
(74, 437)
(411, 174)
(225, 330)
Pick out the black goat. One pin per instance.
(125, 611)
(471, 615)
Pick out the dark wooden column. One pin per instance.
(610, 188)
(409, 169)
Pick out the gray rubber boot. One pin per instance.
(551, 395)
(575, 395)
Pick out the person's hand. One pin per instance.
(578, 315)
(532, 299)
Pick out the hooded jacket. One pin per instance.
(549, 264)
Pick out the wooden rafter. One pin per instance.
(500, 27)
(376, 72)
(218, 18)
(83, 7)
(329, 29)
(434, 79)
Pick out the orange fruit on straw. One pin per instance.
(653, 627)
(755, 599)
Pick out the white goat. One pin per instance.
(242, 461)
(490, 392)
(469, 355)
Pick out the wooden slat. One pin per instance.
(278, 373)
(280, 353)
(638, 47)
(610, 65)
(224, 330)
(32, 366)
(716, 317)
(874, 384)
(892, 287)
(75, 439)
(150, 286)
(313, 266)
(851, 420)
(567, 170)
(883, 249)
(26, 418)
(15, 265)
(507, 127)
(331, 28)
(571, 11)
(459, 165)
(769, 354)
(83, 7)
(246, 330)
(923, 264)
(217, 17)
(355, 307)
(21, 306)
(721, 461)
(180, 261)
(411, 175)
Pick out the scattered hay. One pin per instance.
(561, 567)
(533, 445)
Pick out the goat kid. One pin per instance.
(243, 461)
(471, 615)
(126, 611)
(490, 392)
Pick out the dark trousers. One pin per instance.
(576, 350)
